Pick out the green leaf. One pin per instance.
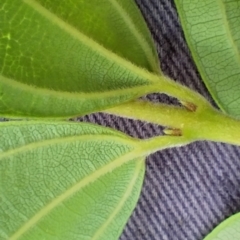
(62, 180)
(227, 230)
(67, 58)
(212, 31)
(67, 180)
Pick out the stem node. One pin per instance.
(189, 106)
(173, 131)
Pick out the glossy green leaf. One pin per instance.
(72, 57)
(212, 30)
(67, 181)
(227, 230)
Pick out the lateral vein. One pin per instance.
(75, 188)
(75, 33)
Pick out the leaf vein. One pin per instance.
(118, 162)
(140, 39)
(121, 203)
(89, 42)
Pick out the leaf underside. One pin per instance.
(66, 181)
(227, 230)
(212, 31)
(67, 58)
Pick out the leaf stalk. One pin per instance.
(205, 123)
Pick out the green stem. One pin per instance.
(206, 123)
(161, 114)
(213, 125)
(163, 84)
(152, 145)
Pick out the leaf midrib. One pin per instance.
(118, 162)
(71, 95)
(139, 37)
(122, 201)
(153, 82)
(43, 93)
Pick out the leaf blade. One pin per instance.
(20, 193)
(211, 30)
(227, 230)
(50, 58)
(60, 104)
(62, 180)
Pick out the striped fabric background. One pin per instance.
(189, 190)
